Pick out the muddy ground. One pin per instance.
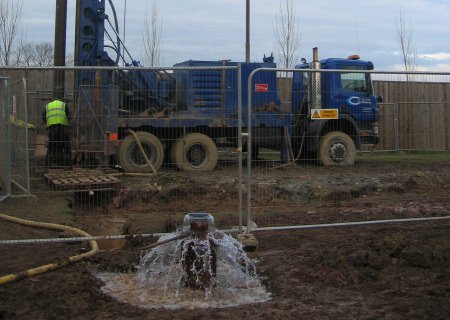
(395, 271)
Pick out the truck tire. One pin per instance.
(195, 152)
(337, 149)
(131, 158)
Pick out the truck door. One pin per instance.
(354, 95)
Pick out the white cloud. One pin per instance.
(395, 67)
(440, 67)
(435, 56)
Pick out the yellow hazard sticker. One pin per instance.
(319, 114)
(316, 115)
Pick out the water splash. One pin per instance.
(210, 271)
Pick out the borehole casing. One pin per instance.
(199, 258)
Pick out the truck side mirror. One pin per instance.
(379, 99)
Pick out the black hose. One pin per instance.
(116, 23)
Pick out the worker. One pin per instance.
(57, 116)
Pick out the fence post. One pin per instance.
(249, 148)
(5, 141)
(239, 93)
(396, 134)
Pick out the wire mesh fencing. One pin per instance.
(370, 150)
(20, 172)
(290, 161)
(5, 160)
(145, 143)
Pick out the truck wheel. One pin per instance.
(195, 152)
(131, 158)
(337, 149)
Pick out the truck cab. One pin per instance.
(349, 91)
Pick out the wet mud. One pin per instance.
(396, 271)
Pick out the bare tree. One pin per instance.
(287, 34)
(24, 53)
(405, 41)
(152, 36)
(10, 16)
(44, 54)
(31, 54)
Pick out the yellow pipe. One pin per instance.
(52, 266)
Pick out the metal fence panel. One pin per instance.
(5, 161)
(20, 175)
(202, 106)
(96, 116)
(413, 121)
(277, 190)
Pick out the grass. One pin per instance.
(405, 156)
(382, 156)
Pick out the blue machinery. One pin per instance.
(199, 97)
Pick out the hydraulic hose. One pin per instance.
(116, 23)
(142, 150)
(291, 152)
(53, 266)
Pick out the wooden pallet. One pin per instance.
(81, 180)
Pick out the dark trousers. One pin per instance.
(59, 152)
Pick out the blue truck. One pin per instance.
(185, 115)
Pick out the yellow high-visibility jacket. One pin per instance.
(55, 113)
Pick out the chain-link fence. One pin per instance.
(5, 161)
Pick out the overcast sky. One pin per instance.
(215, 29)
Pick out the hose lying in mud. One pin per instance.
(291, 151)
(53, 266)
(142, 150)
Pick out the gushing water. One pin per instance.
(206, 269)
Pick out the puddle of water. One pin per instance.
(129, 289)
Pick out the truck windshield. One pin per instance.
(359, 82)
